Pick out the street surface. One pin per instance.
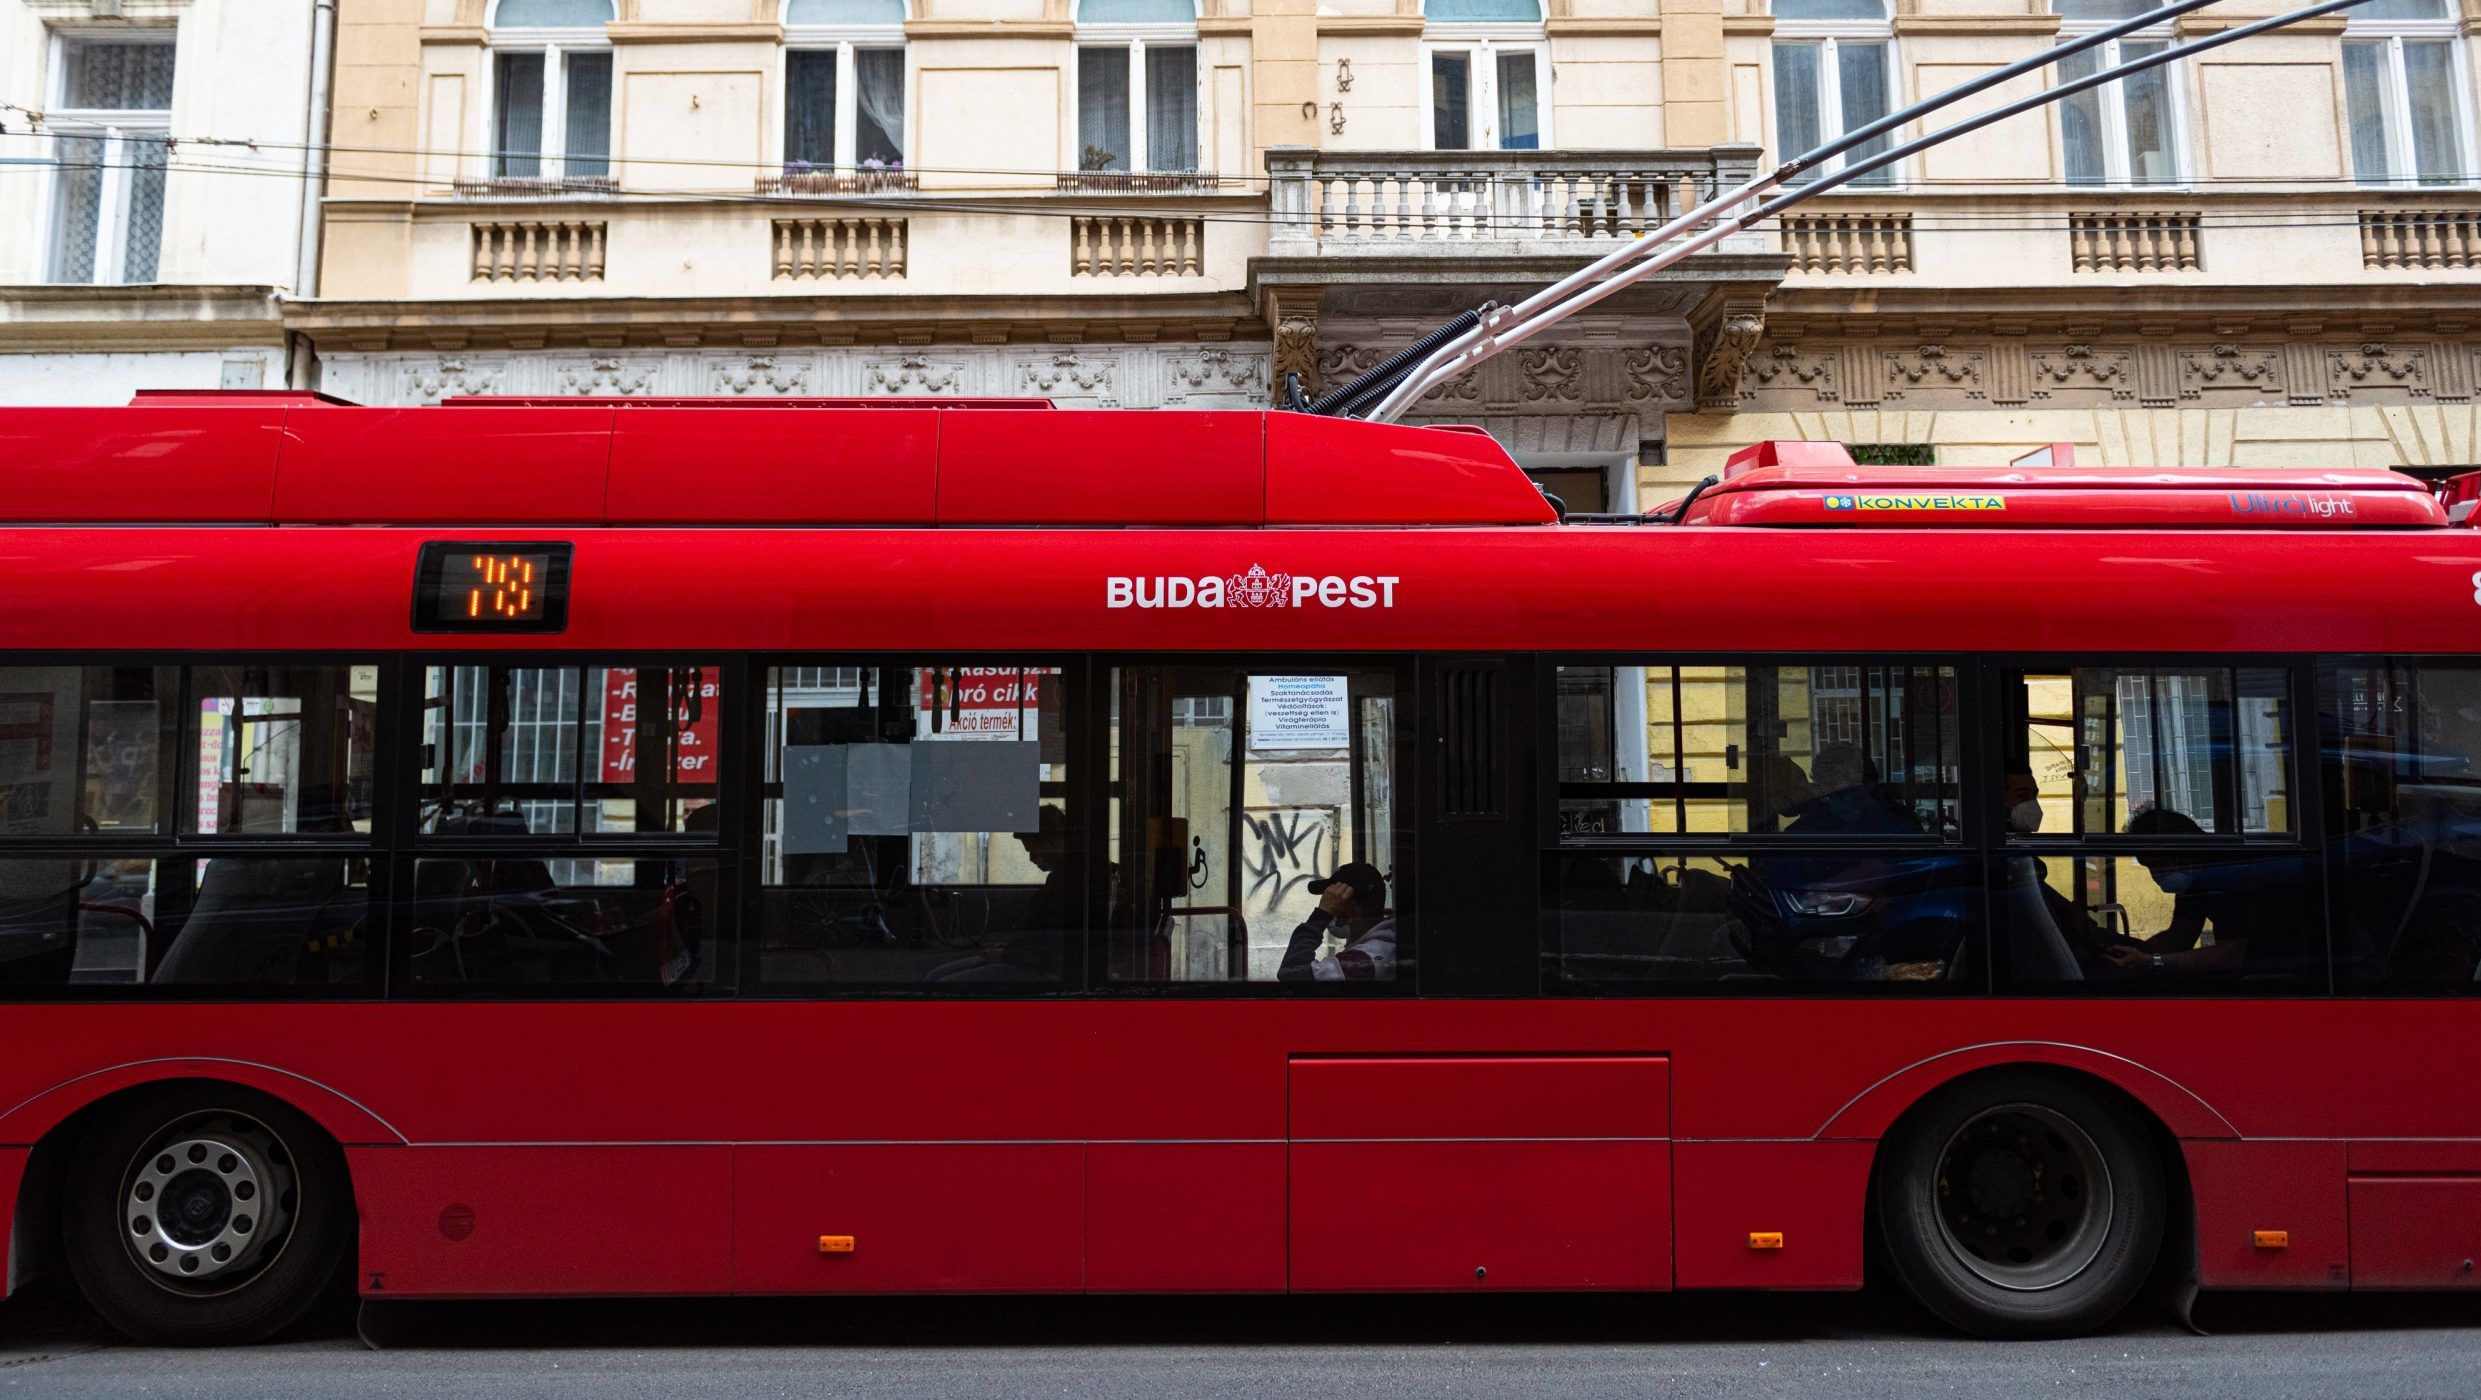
(1538, 1348)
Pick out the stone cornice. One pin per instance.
(1759, 25)
(473, 34)
(833, 318)
(2373, 307)
(1608, 27)
(988, 29)
(649, 33)
(1368, 26)
(166, 317)
(1916, 25)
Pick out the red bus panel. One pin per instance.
(75, 465)
(515, 466)
(725, 466)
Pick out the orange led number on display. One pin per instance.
(501, 587)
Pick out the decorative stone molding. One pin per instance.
(1722, 352)
(2168, 366)
(1171, 374)
(1542, 379)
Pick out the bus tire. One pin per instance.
(2020, 1204)
(206, 1215)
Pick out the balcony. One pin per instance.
(1486, 203)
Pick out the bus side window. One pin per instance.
(1752, 826)
(918, 831)
(1255, 828)
(2401, 742)
(2149, 834)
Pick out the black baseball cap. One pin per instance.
(1367, 885)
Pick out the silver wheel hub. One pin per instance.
(211, 1197)
(2024, 1197)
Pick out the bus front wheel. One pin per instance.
(2021, 1205)
(205, 1215)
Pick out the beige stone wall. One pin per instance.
(2416, 435)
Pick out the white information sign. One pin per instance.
(1299, 712)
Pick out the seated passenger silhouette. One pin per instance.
(2249, 905)
(1352, 904)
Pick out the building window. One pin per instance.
(2406, 100)
(1834, 72)
(1126, 48)
(844, 86)
(2127, 132)
(110, 121)
(1489, 68)
(551, 77)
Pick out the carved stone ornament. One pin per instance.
(608, 374)
(763, 374)
(452, 375)
(1792, 368)
(1933, 367)
(1296, 351)
(2080, 366)
(2227, 366)
(1067, 372)
(1657, 372)
(2378, 364)
(1722, 351)
(1553, 374)
(913, 374)
(1212, 371)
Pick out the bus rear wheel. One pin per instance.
(2020, 1205)
(202, 1215)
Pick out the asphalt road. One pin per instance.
(2260, 1348)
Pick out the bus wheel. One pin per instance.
(203, 1215)
(2020, 1205)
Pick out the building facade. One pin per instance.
(152, 162)
(2265, 254)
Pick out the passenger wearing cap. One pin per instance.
(1352, 905)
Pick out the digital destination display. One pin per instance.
(491, 586)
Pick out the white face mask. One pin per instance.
(2025, 817)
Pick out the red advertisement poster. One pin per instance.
(693, 723)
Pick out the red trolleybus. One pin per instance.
(512, 849)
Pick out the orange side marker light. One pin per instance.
(2271, 1239)
(835, 1244)
(1765, 1239)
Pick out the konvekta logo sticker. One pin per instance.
(1915, 500)
(1254, 589)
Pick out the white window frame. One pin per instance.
(114, 126)
(1481, 44)
(1138, 38)
(1829, 35)
(844, 40)
(2397, 98)
(2113, 101)
(554, 45)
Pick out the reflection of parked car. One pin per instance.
(1855, 918)
(2407, 851)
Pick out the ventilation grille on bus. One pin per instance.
(1472, 743)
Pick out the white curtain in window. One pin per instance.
(517, 130)
(1103, 108)
(77, 206)
(588, 117)
(1171, 108)
(1520, 116)
(879, 93)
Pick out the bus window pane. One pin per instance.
(654, 762)
(82, 749)
(918, 828)
(1909, 920)
(1259, 813)
(2170, 753)
(280, 750)
(1832, 750)
(483, 922)
(500, 749)
(2179, 921)
(2402, 783)
(230, 922)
